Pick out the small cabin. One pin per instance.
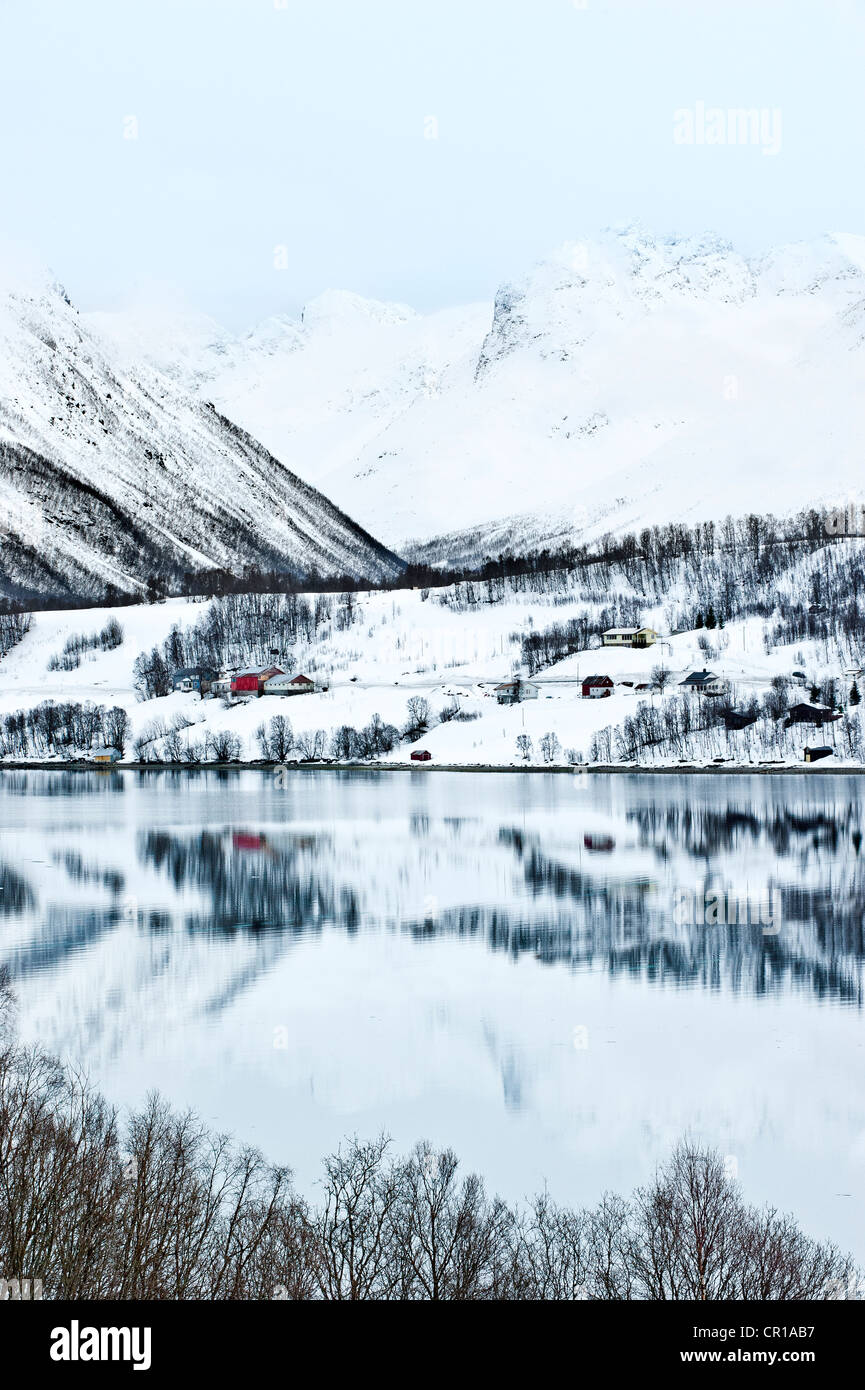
(818, 715)
(739, 719)
(813, 755)
(104, 756)
(597, 687)
(421, 756)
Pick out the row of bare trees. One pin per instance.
(160, 1207)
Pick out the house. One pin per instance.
(189, 678)
(818, 715)
(739, 719)
(252, 682)
(420, 756)
(511, 692)
(597, 687)
(813, 755)
(289, 685)
(221, 686)
(629, 637)
(800, 678)
(704, 682)
(104, 756)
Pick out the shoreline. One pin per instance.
(567, 770)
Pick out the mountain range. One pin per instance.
(111, 476)
(626, 381)
(622, 382)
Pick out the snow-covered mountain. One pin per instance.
(109, 474)
(623, 382)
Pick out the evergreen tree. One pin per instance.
(699, 622)
(855, 697)
(711, 620)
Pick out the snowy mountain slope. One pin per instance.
(623, 382)
(109, 475)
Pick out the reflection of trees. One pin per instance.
(278, 884)
(820, 944)
(64, 785)
(16, 895)
(703, 832)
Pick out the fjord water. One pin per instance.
(515, 965)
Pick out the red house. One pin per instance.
(596, 687)
(252, 682)
(421, 756)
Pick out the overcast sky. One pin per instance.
(179, 143)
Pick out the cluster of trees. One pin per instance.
(159, 742)
(109, 637)
(159, 1207)
(244, 630)
(277, 740)
(67, 728)
(13, 626)
(548, 745)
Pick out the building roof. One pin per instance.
(626, 631)
(258, 671)
(700, 678)
(104, 752)
(597, 680)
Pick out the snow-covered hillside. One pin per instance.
(408, 644)
(623, 382)
(109, 476)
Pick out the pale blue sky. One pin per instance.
(300, 123)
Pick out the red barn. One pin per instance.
(252, 682)
(596, 687)
(421, 756)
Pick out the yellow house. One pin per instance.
(630, 637)
(104, 756)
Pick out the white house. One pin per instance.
(704, 682)
(288, 685)
(511, 692)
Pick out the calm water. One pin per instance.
(517, 966)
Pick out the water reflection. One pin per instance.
(522, 882)
(431, 948)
